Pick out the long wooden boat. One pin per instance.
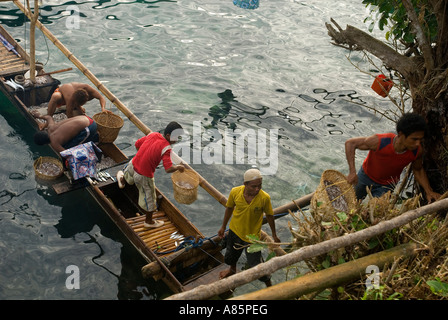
(181, 268)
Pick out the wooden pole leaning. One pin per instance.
(331, 277)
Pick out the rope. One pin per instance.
(188, 243)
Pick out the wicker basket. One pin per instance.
(109, 125)
(48, 162)
(334, 194)
(185, 186)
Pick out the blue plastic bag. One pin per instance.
(82, 160)
(247, 4)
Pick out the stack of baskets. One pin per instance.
(48, 168)
(334, 194)
(185, 186)
(109, 125)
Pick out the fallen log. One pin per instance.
(331, 277)
(277, 263)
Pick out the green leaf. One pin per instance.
(373, 243)
(342, 216)
(270, 256)
(326, 263)
(256, 247)
(253, 237)
(438, 287)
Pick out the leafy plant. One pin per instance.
(438, 287)
(379, 294)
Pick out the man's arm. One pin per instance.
(422, 179)
(93, 93)
(174, 168)
(227, 215)
(271, 221)
(48, 120)
(361, 143)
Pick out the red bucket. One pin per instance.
(382, 85)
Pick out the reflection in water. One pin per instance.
(331, 109)
(15, 18)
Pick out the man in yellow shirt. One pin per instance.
(245, 206)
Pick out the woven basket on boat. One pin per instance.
(334, 194)
(185, 186)
(48, 160)
(109, 125)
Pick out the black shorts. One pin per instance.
(234, 251)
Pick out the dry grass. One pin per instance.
(404, 279)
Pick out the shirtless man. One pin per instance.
(74, 95)
(67, 133)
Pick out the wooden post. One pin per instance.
(33, 18)
(331, 277)
(277, 263)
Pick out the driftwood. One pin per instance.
(277, 263)
(331, 277)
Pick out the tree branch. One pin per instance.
(423, 42)
(355, 39)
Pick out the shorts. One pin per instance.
(233, 253)
(85, 135)
(364, 181)
(145, 185)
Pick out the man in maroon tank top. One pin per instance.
(389, 154)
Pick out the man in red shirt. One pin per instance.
(151, 149)
(388, 155)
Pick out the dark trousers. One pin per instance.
(234, 251)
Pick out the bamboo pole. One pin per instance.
(33, 18)
(294, 204)
(331, 277)
(277, 263)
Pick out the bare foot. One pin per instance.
(226, 273)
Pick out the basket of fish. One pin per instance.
(48, 168)
(185, 186)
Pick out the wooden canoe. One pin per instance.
(181, 268)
